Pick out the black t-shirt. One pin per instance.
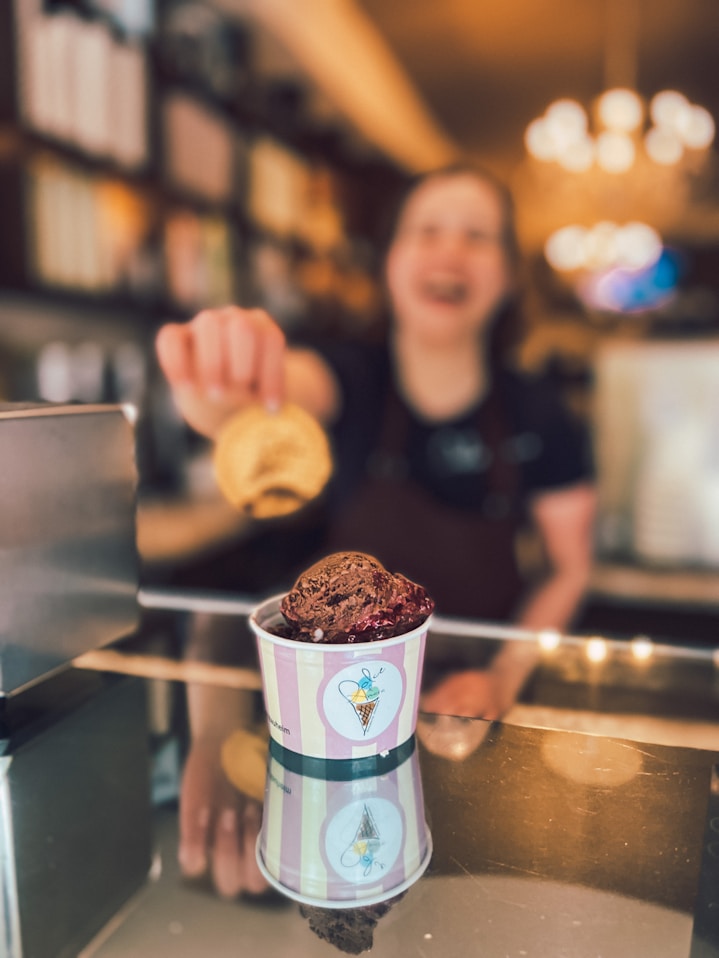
(550, 447)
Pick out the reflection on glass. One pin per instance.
(343, 848)
(221, 791)
(450, 736)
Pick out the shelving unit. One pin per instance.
(146, 167)
(149, 169)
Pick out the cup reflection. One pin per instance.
(343, 843)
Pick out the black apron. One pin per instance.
(466, 559)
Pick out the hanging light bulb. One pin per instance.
(600, 245)
(637, 245)
(606, 161)
(562, 134)
(562, 127)
(615, 151)
(696, 128)
(578, 156)
(667, 109)
(565, 248)
(566, 121)
(663, 146)
(620, 109)
(606, 245)
(538, 140)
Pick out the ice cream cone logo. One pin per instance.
(365, 846)
(363, 696)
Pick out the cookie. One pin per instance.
(270, 464)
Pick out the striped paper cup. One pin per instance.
(341, 844)
(337, 702)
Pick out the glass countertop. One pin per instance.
(144, 813)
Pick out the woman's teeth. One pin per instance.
(446, 290)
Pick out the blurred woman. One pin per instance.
(443, 451)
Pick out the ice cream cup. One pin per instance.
(337, 702)
(341, 844)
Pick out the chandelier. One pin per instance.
(608, 158)
(671, 127)
(622, 136)
(620, 125)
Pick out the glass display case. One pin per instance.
(584, 823)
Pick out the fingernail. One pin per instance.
(228, 820)
(193, 861)
(272, 406)
(203, 816)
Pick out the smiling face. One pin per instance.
(448, 269)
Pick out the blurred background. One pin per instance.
(159, 156)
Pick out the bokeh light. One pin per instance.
(696, 128)
(663, 146)
(620, 110)
(566, 122)
(578, 156)
(615, 151)
(549, 639)
(565, 248)
(596, 649)
(642, 648)
(538, 140)
(631, 290)
(667, 108)
(632, 246)
(562, 133)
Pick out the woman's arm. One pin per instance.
(225, 359)
(565, 522)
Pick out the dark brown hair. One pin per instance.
(509, 231)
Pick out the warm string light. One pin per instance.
(642, 648)
(596, 649)
(550, 641)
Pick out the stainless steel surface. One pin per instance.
(68, 558)
(9, 913)
(75, 831)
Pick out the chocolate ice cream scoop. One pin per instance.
(351, 597)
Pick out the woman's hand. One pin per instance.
(222, 360)
(225, 359)
(474, 693)
(219, 826)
